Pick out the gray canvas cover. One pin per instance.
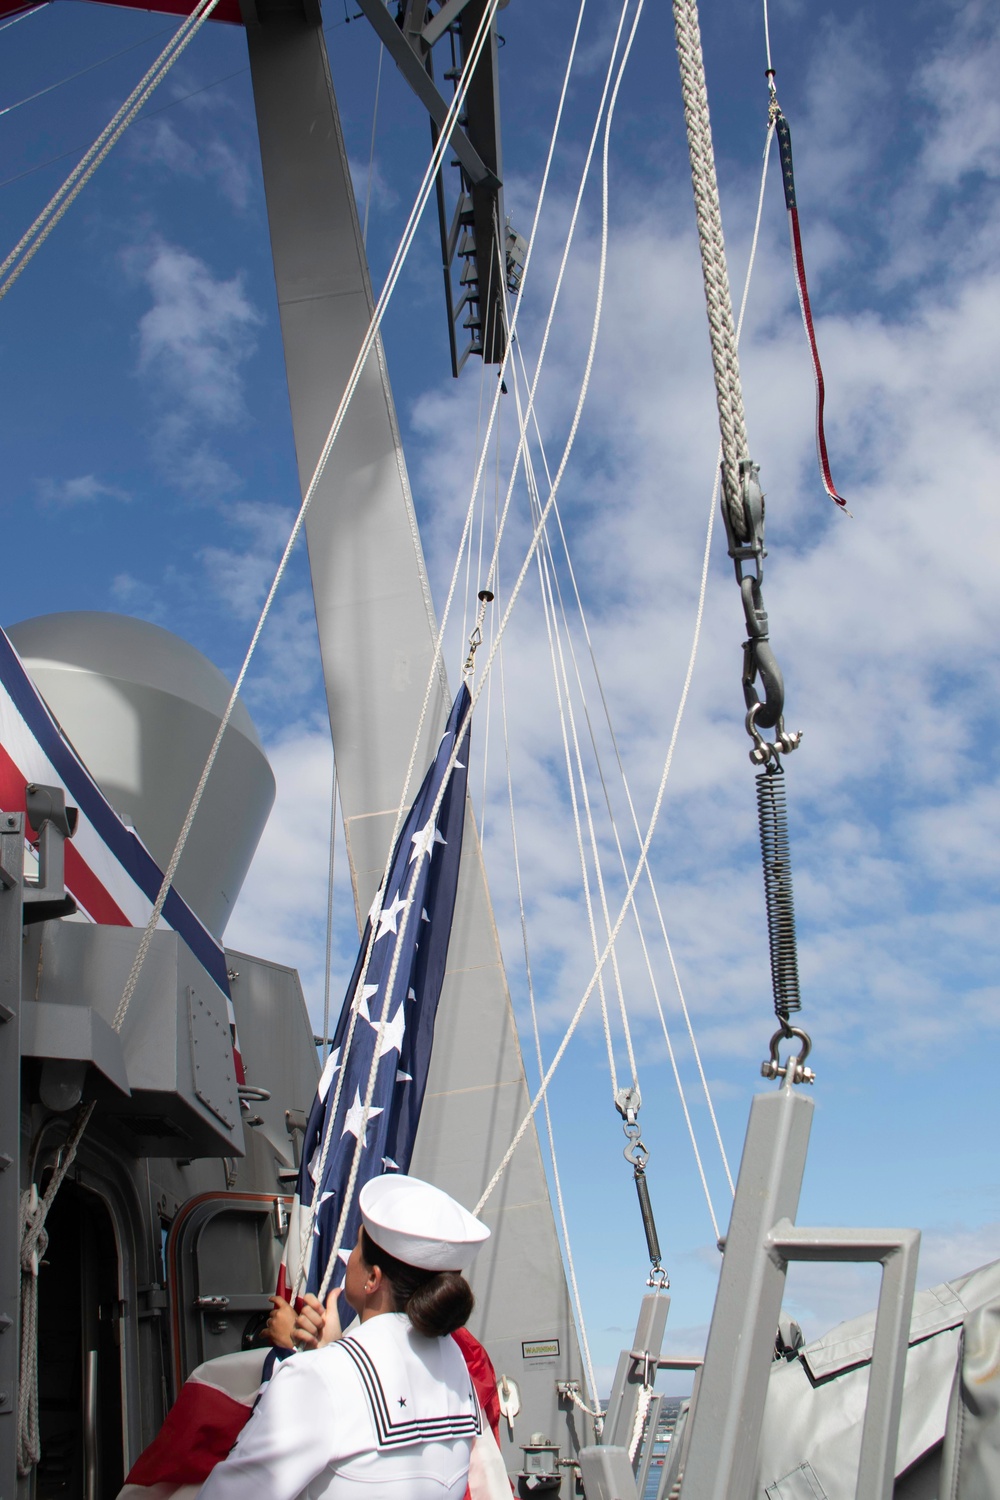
(970, 1463)
(816, 1402)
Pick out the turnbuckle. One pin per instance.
(636, 1153)
(774, 1068)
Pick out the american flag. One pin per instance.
(413, 909)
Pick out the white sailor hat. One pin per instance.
(419, 1224)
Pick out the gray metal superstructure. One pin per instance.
(163, 1241)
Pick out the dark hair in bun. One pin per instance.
(436, 1302)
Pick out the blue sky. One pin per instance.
(148, 467)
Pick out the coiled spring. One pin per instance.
(778, 891)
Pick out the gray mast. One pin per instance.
(377, 629)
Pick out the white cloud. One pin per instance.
(196, 336)
(965, 137)
(207, 159)
(371, 187)
(83, 490)
(281, 913)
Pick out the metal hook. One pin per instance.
(636, 1153)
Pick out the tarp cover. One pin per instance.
(970, 1465)
(816, 1402)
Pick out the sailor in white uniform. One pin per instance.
(388, 1410)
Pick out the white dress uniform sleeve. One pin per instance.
(288, 1441)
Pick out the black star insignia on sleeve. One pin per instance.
(402, 1400)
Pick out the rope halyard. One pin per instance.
(433, 674)
(715, 274)
(642, 865)
(529, 978)
(743, 513)
(533, 545)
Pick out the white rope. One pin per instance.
(621, 854)
(594, 846)
(484, 679)
(371, 153)
(643, 856)
(33, 1212)
(437, 660)
(366, 347)
(328, 965)
(35, 10)
(641, 1412)
(101, 62)
(641, 866)
(564, 707)
(767, 40)
(560, 1204)
(34, 237)
(654, 987)
(637, 917)
(432, 676)
(550, 318)
(578, 1401)
(718, 301)
(484, 803)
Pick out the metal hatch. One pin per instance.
(223, 1252)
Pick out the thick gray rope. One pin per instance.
(34, 1242)
(718, 299)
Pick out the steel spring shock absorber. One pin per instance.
(778, 891)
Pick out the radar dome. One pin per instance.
(142, 708)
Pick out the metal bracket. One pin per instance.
(408, 55)
(627, 1103)
(475, 232)
(55, 823)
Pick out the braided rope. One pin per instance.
(34, 237)
(641, 1412)
(574, 1395)
(33, 1212)
(718, 299)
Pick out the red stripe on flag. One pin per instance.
(200, 1429)
(803, 291)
